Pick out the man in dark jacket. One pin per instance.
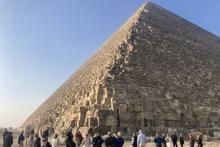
(181, 140)
(134, 140)
(119, 140)
(174, 139)
(158, 140)
(46, 143)
(69, 140)
(37, 141)
(97, 141)
(8, 140)
(110, 141)
(4, 135)
(21, 139)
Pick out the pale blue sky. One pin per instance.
(42, 42)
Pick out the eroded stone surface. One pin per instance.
(157, 71)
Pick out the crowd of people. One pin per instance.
(110, 140)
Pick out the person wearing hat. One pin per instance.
(46, 143)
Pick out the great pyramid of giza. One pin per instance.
(157, 71)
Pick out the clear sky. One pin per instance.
(42, 42)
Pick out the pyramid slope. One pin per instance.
(157, 70)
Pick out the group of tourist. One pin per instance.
(110, 140)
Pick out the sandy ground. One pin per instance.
(127, 144)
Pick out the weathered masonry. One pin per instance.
(157, 71)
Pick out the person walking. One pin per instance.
(181, 140)
(69, 140)
(21, 139)
(134, 140)
(37, 141)
(174, 139)
(97, 141)
(169, 141)
(55, 141)
(142, 139)
(119, 140)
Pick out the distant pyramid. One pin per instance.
(157, 71)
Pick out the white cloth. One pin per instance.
(55, 142)
(169, 142)
(142, 139)
(86, 142)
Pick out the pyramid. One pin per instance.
(157, 71)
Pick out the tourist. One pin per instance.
(142, 139)
(110, 141)
(158, 140)
(134, 140)
(97, 140)
(46, 143)
(169, 141)
(199, 141)
(45, 133)
(191, 140)
(119, 140)
(31, 140)
(37, 141)
(21, 139)
(78, 137)
(164, 140)
(86, 141)
(174, 139)
(8, 140)
(4, 135)
(69, 140)
(55, 141)
(181, 140)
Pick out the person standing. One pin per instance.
(199, 141)
(174, 139)
(110, 141)
(191, 140)
(8, 140)
(37, 141)
(69, 140)
(181, 140)
(78, 137)
(97, 141)
(119, 140)
(4, 135)
(164, 140)
(46, 143)
(86, 141)
(21, 139)
(158, 140)
(134, 140)
(141, 139)
(55, 141)
(30, 140)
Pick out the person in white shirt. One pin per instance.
(141, 140)
(55, 141)
(86, 141)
